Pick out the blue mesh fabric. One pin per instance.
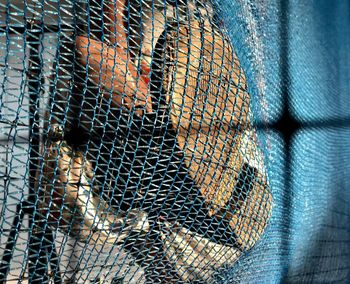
(307, 240)
(295, 55)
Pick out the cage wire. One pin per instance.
(185, 141)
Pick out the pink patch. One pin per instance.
(145, 70)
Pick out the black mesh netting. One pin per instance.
(174, 141)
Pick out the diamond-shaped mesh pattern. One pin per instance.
(172, 141)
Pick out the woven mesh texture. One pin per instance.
(174, 141)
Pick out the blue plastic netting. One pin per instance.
(174, 141)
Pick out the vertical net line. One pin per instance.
(41, 246)
(36, 254)
(286, 125)
(18, 218)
